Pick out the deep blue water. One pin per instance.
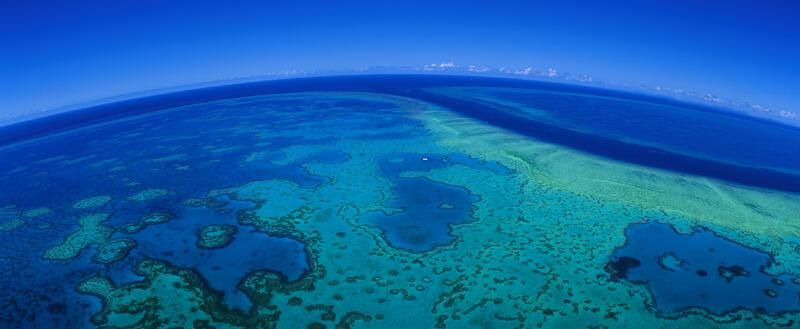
(223, 268)
(702, 270)
(427, 208)
(700, 133)
(172, 150)
(775, 166)
(40, 294)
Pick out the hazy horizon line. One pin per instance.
(444, 68)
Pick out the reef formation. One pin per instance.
(358, 209)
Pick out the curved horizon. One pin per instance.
(120, 98)
(415, 87)
(739, 54)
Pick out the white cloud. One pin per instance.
(478, 69)
(440, 66)
(525, 71)
(788, 115)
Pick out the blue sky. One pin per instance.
(58, 53)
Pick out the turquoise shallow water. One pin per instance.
(345, 209)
